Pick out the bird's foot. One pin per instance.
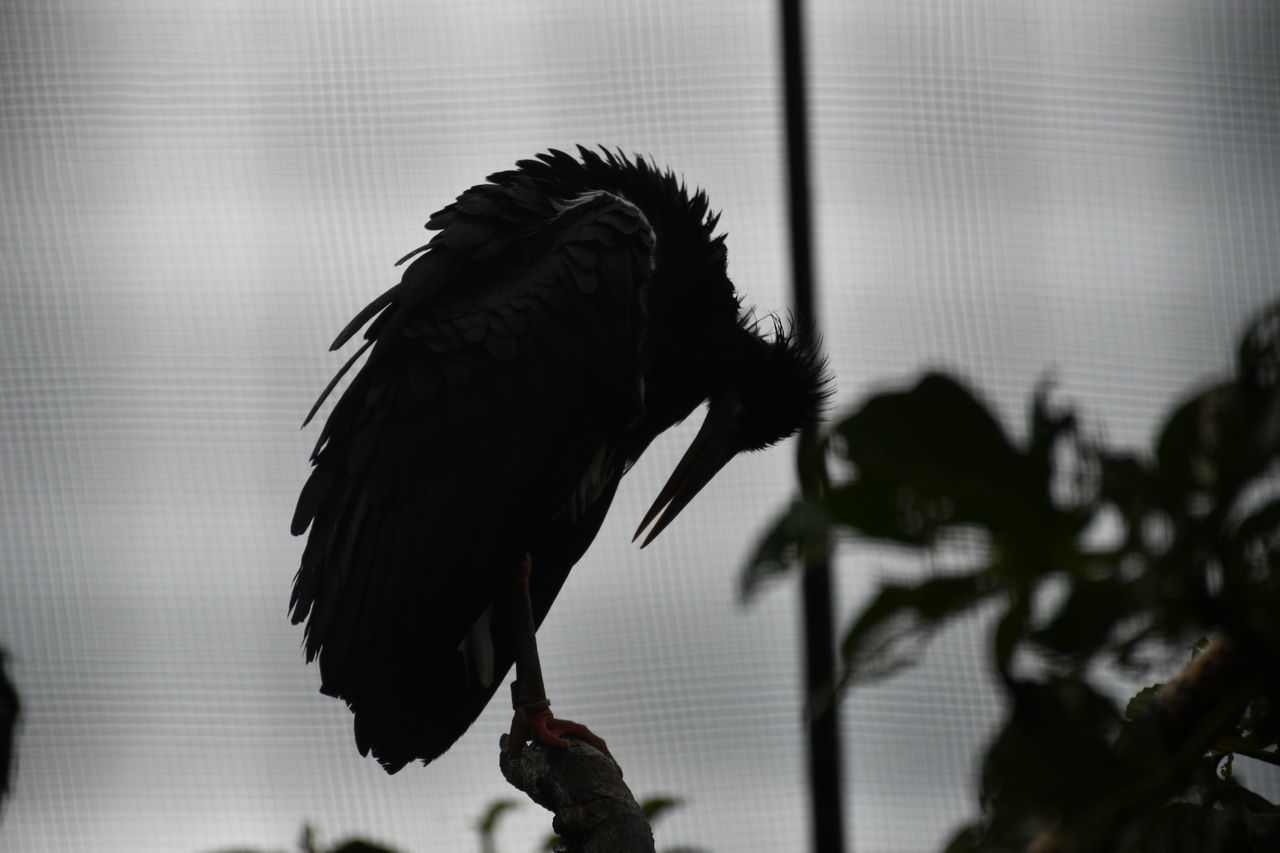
(536, 723)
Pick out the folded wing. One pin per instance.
(502, 376)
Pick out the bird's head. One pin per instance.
(766, 389)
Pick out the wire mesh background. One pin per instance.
(196, 197)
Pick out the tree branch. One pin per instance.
(1187, 714)
(595, 811)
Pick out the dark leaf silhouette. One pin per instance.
(1091, 556)
(927, 458)
(889, 632)
(804, 524)
(9, 709)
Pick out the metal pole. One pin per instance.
(824, 741)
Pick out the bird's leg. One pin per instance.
(533, 719)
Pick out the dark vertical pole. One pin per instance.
(824, 740)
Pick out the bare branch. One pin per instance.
(595, 811)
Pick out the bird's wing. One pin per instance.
(497, 377)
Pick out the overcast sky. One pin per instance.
(196, 197)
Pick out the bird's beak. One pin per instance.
(716, 443)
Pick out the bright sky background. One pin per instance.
(196, 197)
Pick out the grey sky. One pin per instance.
(198, 196)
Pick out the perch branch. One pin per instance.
(1187, 714)
(595, 811)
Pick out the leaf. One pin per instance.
(1254, 821)
(899, 427)
(1049, 426)
(1137, 707)
(927, 458)
(1261, 525)
(1196, 828)
(882, 508)
(488, 822)
(966, 839)
(803, 524)
(1010, 630)
(1192, 828)
(1258, 362)
(923, 460)
(10, 712)
(1084, 622)
(1191, 450)
(359, 845)
(1263, 721)
(1258, 357)
(1262, 829)
(902, 615)
(1054, 754)
(656, 806)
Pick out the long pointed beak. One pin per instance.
(711, 450)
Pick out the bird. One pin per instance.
(565, 313)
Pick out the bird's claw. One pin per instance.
(543, 728)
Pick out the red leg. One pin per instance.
(533, 719)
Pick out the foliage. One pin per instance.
(654, 808)
(9, 710)
(307, 844)
(1089, 558)
(487, 825)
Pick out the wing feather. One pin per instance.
(502, 365)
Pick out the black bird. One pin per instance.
(567, 312)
